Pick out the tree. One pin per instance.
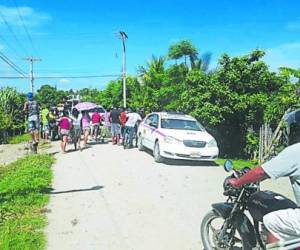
(235, 98)
(48, 95)
(89, 95)
(151, 79)
(183, 49)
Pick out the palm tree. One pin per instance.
(186, 49)
(155, 68)
(203, 62)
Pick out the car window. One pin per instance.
(155, 120)
(148, 119)
(181, 124)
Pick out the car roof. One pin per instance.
(174, 115)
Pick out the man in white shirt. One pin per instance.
(132, 120)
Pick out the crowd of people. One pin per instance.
(81, 126)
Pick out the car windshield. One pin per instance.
(181, 124)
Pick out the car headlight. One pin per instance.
(212, 144)
(171, 140)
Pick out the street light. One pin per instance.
(124, 36)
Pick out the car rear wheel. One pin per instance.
(156, 152)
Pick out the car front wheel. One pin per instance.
(140, 143)
(156, 152)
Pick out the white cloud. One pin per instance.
(31, 17)
(284, 55)
(64, 81)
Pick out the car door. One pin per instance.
(152, 135)
(146, 131)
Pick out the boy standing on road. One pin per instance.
(31, 107)
(115, 125)
(45, 128)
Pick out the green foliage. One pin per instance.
(238, 164)
(183, 49)
(19, 138)
(22, 194)
(49, 96)
(12, 118)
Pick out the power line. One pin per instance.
(77, 77)
(12, 65)
(10, 62)
(59, 77)
(25, 28)
(12, 32)
(9, 46)
(11, 77)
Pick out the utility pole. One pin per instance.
(124, 36)
(31, 61)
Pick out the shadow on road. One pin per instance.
(54, 153)
(97, 142)
(50, 190)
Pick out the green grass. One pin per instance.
(22, 199)
(238, 163)
(19, 138)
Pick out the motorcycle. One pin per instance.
(238, 222)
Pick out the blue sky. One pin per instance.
(78, 37)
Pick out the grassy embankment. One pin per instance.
(26, 138)
(238, 163)
(22, 202)
(19, 138)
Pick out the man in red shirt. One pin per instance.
(96, 118)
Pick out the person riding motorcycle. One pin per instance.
(32, 109)
(282, 225)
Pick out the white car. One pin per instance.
(176, 136)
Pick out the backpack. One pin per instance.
(33, 108)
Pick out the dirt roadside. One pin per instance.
(12, 152)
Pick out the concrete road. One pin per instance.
(108, 198)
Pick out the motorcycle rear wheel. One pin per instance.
(209, 234)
